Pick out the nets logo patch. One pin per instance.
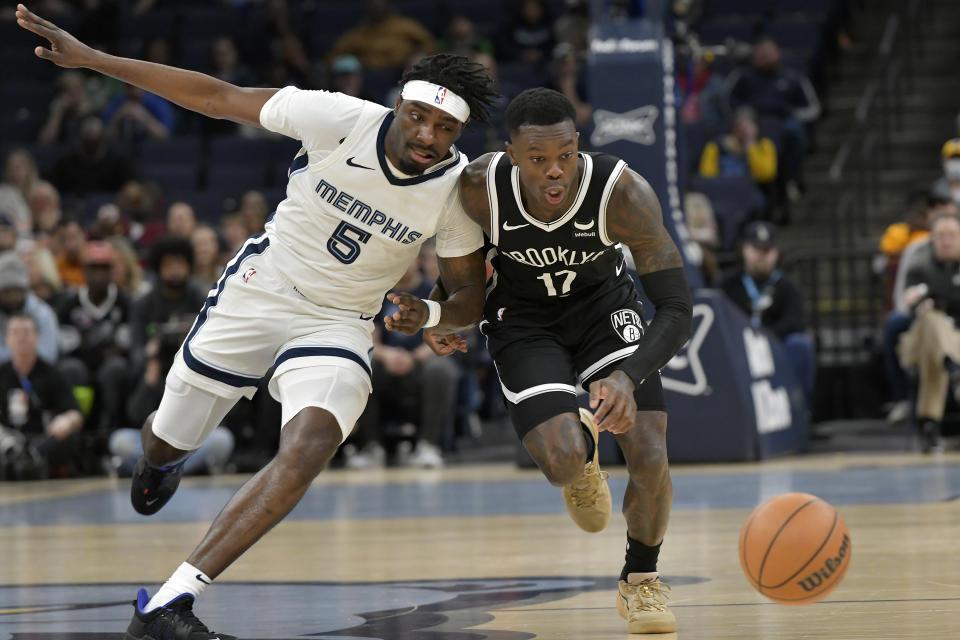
(627, 324)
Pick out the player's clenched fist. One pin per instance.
(412, 315)
(65, 50)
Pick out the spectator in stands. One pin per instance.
(573, 25)
(411, 384)
(181, 220)
(234, 230)
(71, 238)
(140, 209)
(173, 302)
(741, 152)
(950, 182)
(528, 37)
(460, 37)
(8, 234)
(16, 299)
(703, 94)
(95, 334)
(227, 65)
(780, 94)
(207, 262)
(19, 178)
(932, 343)
(37, 402)
(67, 109)
(157, 50)
(772, 300)
(566, 77)
(43, 275)
(45, 211)
(254, 211)
(383, 39)
(125, 444)
(127, 274)
(91, 165)
(137, 114)
(346, 76)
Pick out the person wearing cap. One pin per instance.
(772, 300)
(368, 187)
(16, 298)
(346, 76)
(95, 336)
(950, 182)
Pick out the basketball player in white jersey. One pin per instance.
(368, 187)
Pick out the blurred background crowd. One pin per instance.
(118, 209)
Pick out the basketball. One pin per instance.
(795, 548)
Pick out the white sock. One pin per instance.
(186, 579)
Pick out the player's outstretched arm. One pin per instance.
(635, 219)
(189, 89)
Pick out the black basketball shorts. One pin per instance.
(542, 352)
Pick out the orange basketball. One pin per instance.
(795, 548)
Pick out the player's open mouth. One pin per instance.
(422, 156)
(554, 195)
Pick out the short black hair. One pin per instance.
(539, 107)
(170, 246)
(459, 74)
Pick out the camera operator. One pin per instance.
(125, 444)
(39, 415)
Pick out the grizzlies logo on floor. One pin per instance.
(284, 611)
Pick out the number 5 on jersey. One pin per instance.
(567, 281)
(345, 242)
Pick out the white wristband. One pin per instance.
(433, 314)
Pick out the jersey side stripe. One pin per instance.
(605, 198)
(492, 199)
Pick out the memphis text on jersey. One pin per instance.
(366, 214)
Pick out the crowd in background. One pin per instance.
(118, 210)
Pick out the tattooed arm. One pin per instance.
(634, 219)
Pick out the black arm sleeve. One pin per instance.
(670, 328)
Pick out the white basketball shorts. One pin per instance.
(254, 319)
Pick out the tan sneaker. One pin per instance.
(642, 606)
(588, 497)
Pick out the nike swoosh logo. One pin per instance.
(363, 317)
(584, 227)
(150, 502)
(509, 227)
(200, 578)
(351, 163)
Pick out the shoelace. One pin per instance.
(648, 596)
(185, 616)
(586, 492)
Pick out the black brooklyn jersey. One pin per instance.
(539, 261)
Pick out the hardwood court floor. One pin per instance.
(484, 553)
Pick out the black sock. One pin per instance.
(640, 558)
(591, 443)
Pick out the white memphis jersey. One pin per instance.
(349, 226)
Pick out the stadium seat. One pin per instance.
(735, 201)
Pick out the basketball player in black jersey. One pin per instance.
(561, 307)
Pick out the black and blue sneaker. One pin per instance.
(174, 621)
(152, 488)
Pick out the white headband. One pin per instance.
(435, 95)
